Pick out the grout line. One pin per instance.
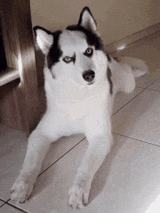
(15, 207)
(146, 88)
(7, 202)
(153, 82)
(4, 202)
(62, 156)
(154, 90)
(140, 87)
(136, 139)
(129, 101)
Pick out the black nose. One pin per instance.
(89, 75)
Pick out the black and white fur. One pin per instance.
(81, 81)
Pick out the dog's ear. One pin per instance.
(44, 39)
(87, 20)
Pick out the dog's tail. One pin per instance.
(124, 72)
(138, 66)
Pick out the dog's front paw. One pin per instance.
(78, 195)
(21, 190)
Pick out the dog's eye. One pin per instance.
(88, 52)
(67, 59)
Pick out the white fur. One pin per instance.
(74, 106)
(44, 40)
(88, 21)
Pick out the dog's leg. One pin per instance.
(38, 146)
(99, 147)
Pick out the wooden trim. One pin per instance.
(9, 33)
(8, 75)
(9, 107)
(132, 38)
(22, 100)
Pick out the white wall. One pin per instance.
(116, 18)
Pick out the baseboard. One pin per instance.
(132, 38)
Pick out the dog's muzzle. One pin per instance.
(89, 75)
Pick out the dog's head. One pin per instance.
(77, 53)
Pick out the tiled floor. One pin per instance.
(129, 178)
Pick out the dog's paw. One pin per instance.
(21, 190)
(78, 195)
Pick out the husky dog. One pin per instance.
(81, 80)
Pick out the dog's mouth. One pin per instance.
(89, 76)
(90, 83)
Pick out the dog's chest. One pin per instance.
(77, 101)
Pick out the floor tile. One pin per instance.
(127, 181)
(13, 145)
(9, 209)
(59, 148)
(1, 203)
(155, 85)
(51, 191)
(140, 119)
(148, 50)
(12, 151)
(122, 99)
(147, 80)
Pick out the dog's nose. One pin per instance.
(89, 75)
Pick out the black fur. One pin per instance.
(116, 59)
(41, 28)
(108, 57)
(109, 75)
(92, 38)
(80, 19)
(74, 58)
(55, 52)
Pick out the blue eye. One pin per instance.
(67, 59)
(88, 52)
